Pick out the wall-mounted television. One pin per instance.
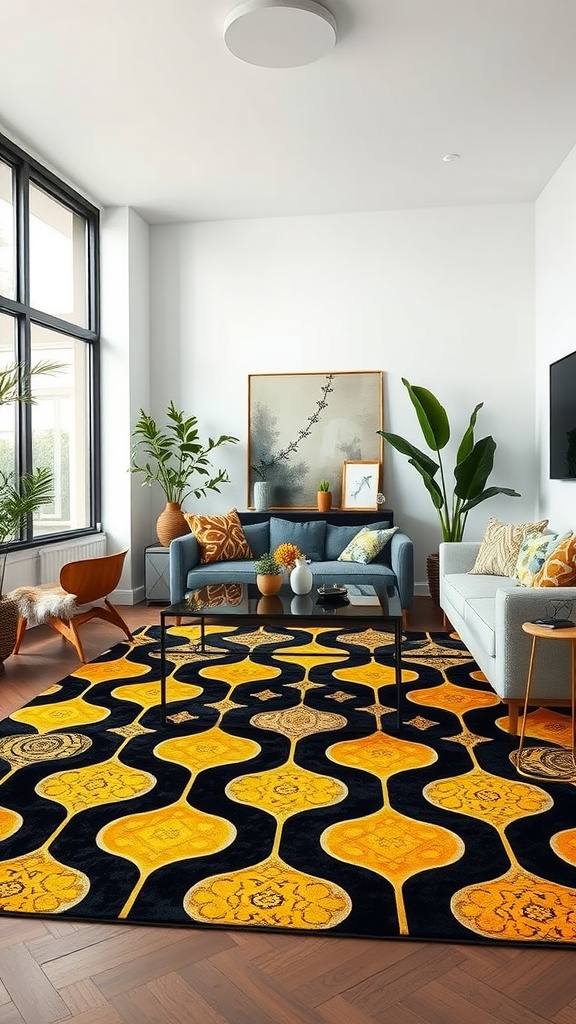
(563, 418)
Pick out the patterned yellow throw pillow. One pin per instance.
(559, 569)
(499, 550)
(220, 538)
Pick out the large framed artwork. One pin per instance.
(303, 427)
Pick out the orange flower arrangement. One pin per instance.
(286, 555)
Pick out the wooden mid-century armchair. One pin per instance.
(82, 595)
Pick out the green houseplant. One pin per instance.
(18, 499)
(453, 498)
(178, 460)
(268, 574)
(324, 496)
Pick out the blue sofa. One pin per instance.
(321, 537)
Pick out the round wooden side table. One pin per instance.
(566, 770)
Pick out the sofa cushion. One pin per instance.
(480, 617)
(337, 537)
(460, 587)
(308, 536)
(559, 569)
(220, 538)
(499, 549)
(367, 543)
(258, 537)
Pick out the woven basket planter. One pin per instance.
(433, 570)
(8, 628)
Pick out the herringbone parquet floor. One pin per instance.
(53, 971)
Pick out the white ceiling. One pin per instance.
(139, 103)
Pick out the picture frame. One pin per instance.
(360, 485)
(302, 426)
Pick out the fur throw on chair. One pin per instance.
(39, 604)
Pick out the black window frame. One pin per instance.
(29, 171)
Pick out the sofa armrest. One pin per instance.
(457, 556)
(524, 604)
(184, 555)
(402, 564)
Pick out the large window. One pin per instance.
(49, 301)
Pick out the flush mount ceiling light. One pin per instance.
(280, 33)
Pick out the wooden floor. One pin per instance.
(107, 974)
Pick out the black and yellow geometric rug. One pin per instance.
(280, 795)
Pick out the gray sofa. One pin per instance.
(487, 612)
(321, 537)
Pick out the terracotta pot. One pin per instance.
(268, 585)
(8, 628)
(324, 501)
(171, 524)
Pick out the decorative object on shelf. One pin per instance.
(324, 496)
(474, 464)
(172, 458)
(261, 495)
(380, 500)
(301, 426)
(360, 480)
(269, 577)
(301, 578)
(18, 500)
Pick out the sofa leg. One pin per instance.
(404, 618)
(513, 719)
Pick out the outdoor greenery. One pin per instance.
(20, 498)
(172, 456)
(474, 463)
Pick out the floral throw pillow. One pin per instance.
(534, 551)
(499, 549)
(559, 569)
(220, 538)
(366, 545)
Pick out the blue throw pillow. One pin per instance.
(308, 536)
(337, 538)
(258, 537)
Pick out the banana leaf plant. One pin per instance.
(453, 500)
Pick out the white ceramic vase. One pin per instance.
(261, 495)
(301, 577)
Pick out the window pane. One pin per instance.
(58, 269)
(7, 412)
(60, 434)
(7, 246)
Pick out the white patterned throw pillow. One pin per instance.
(498, 552)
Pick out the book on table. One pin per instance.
(363, 594)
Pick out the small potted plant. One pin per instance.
(324, 496)
(268, 574)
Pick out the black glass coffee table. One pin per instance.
(243, 603)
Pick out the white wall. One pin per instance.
(125, 381)
(444, 297)
(555, 323)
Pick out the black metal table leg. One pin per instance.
(398, 667)
(163, 667)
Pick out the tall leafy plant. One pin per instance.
(453, 498)
(173, 457)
